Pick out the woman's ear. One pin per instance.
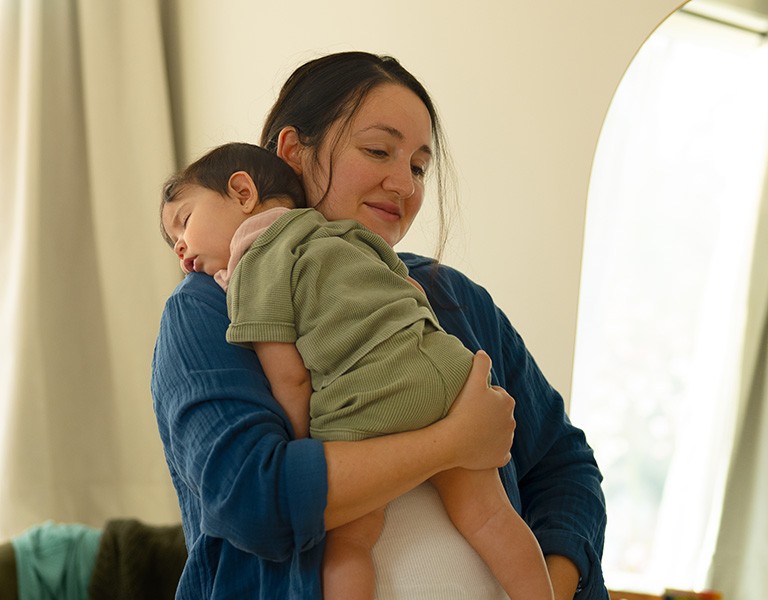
(290, 148)
(242, 189)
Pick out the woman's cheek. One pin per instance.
(315, 184)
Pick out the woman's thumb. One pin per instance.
(481, 365)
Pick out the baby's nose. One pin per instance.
(179, 248)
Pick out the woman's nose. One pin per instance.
(400, 180)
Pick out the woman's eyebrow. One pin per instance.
(396, 133)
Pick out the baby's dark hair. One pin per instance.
(271, 175)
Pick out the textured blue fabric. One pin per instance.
(252, 500)
(552, 480)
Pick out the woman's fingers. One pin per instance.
(483, 418)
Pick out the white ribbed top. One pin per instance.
(421, 556)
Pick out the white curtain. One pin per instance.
(85, 143)
(741, 554)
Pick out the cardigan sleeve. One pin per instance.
(558, 478)
(226, 440)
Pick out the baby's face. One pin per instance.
(201, 223)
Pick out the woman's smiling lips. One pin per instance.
(386, 210)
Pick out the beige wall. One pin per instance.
(523, 88)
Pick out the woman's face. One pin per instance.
(378, 166)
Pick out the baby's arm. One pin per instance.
(289, 379)
(415, 284)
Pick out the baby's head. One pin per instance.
(203, 205)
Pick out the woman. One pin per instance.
(361, 132)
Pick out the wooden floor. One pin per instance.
(615, 595)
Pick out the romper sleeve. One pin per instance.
(260, 296)
(226, 440)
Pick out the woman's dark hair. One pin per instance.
(332, 88)
(271, 175)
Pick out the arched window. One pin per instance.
(671, 215)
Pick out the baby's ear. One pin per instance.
(243, 190)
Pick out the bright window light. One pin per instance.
(670, 226)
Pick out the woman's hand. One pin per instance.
(481, 422)
(476, 434)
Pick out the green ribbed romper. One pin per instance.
(379, 361)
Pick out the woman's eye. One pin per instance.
(377, 153)
(184, 221)
(418, 170)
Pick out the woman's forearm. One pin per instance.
(366, 475)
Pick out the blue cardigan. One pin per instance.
(252, 500)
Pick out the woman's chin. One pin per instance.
(386, 229)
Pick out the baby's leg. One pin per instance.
(348, 572)
(479, 508)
